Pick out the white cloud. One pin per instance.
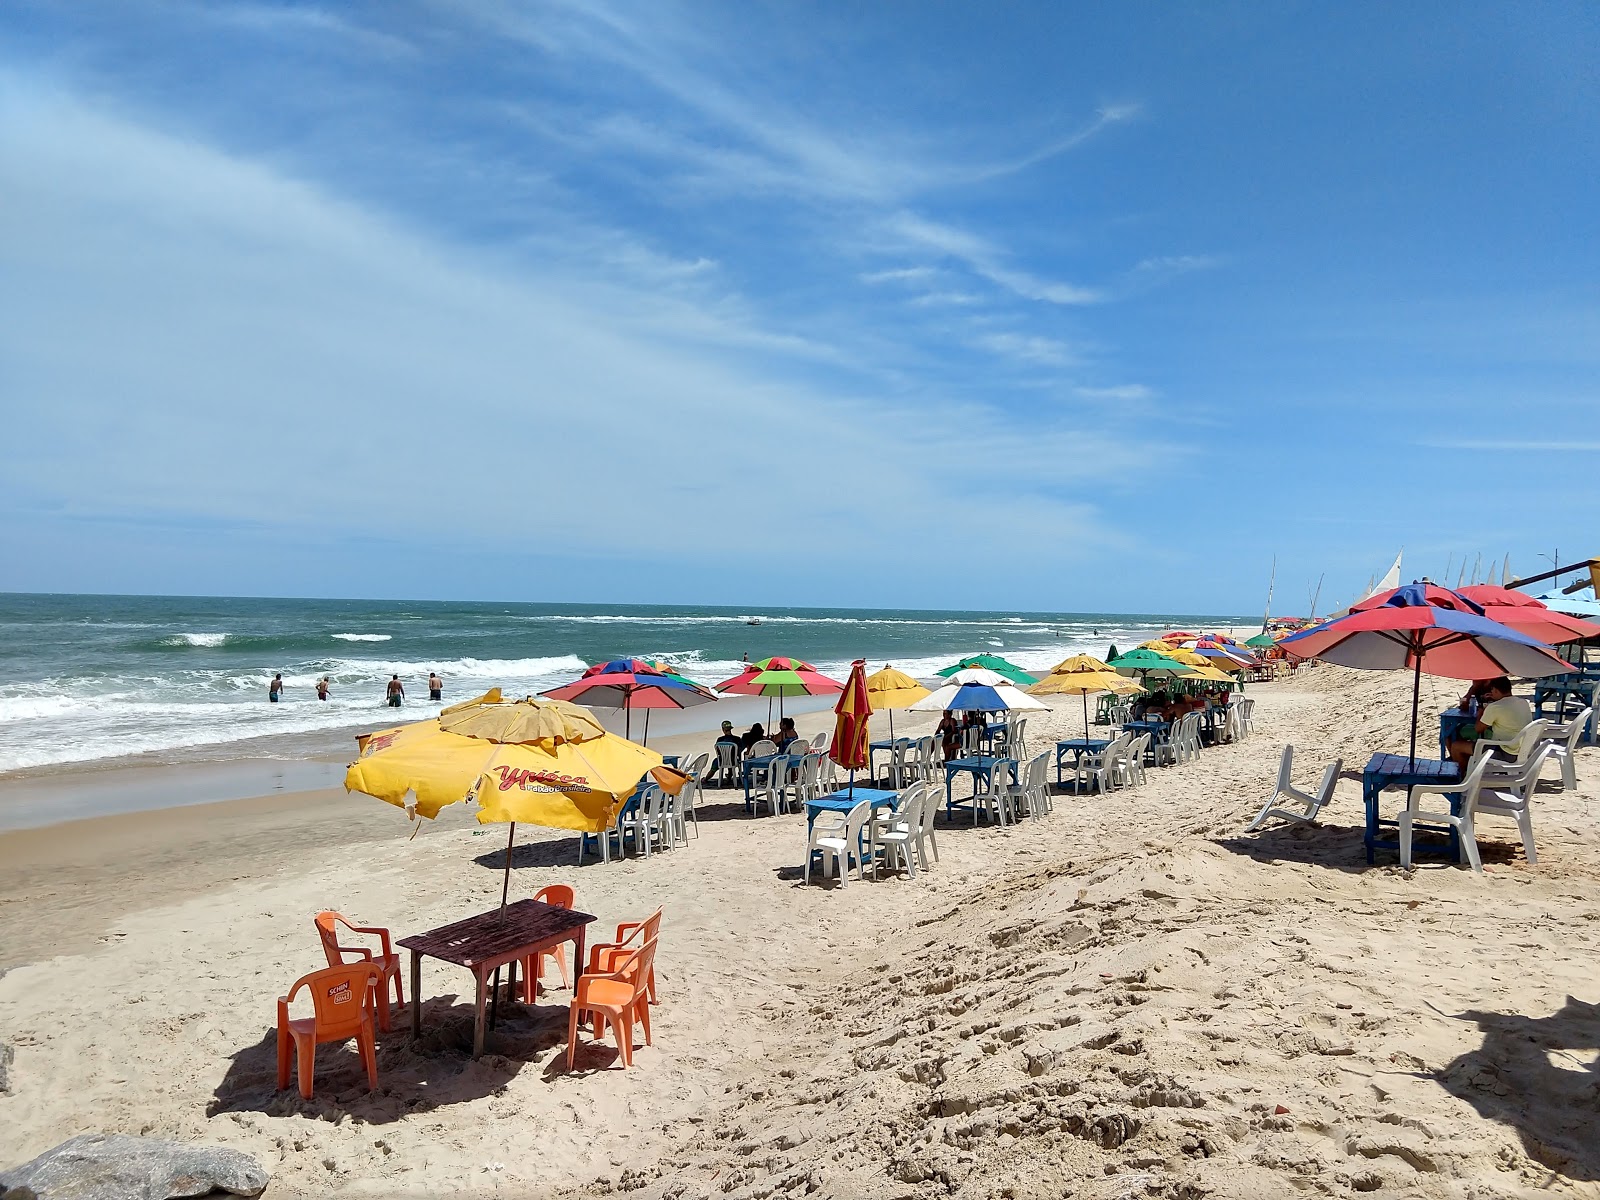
(1128, 392)
(986, 260)
(1516, 445)
(1041, 351)
(190, 336)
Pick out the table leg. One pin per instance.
(477, 1014)
(577, 956)
(1371, 790)
(416, 994)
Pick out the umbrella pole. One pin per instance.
(1086, 716)
(1416, 699)
(646, 741)
(505, 886)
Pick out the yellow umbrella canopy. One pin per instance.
(1211, 673)
(563, 771)
(1079, 662)
(1083, 675)
(889, 688)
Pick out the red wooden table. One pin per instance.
(486, 942)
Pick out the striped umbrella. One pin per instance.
(854, 709)
(630, 683)
(1409, 631)
(780, 677)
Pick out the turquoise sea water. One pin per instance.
(89, 678)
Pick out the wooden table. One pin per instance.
(486, 942)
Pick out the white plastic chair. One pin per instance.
(893, 835)
(1514, 798)
(1100, 769)
(727, 768)
(995, 799)
(1138, 749)
(1461, 822)
(1525, 743)
(1247, 716)
(927, 838)
(649, 820)
(761, 776)
(1563, 742)
(827, 775)
(838, 843)
(820, 742)
(896, 773)
(1030, 795)
(1310, 803)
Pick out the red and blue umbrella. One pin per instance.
(630, 683)
(1423, 627)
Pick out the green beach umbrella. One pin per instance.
(1148, 662)
(1263, 641)
(992, 662)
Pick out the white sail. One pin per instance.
(1390, 580)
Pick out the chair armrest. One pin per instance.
(376, 931)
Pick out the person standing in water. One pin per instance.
(275, 688)
(435, 686)
(397, 691)
(322, 688)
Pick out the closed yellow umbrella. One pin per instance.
(889, 689)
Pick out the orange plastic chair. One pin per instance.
(557, 895)
(387, 961)
(605, 956)
(618, 998)
(342, 999)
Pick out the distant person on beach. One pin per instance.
(752, 735)
(275, 688)
(1504, 716)
(322, 688)
(397, 691)
(435, 686)
(949, 732)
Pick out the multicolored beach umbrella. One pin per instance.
(991, 662)
(851, 739)
(977, 689)
(630, 683)
(1149, 662)
(1453, 639)
(780, 677)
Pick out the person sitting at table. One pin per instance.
(1152, 707)
(786, 733)
(1475, 695)
(1503, 717)
(948, 731)
(751, 736)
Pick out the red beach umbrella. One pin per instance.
(1453, 639)
(1527, 615)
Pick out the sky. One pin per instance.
(1048, 307)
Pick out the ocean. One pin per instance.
(89, 679)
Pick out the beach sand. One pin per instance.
(1128, 999)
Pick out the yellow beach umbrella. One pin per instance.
(543, 762)
(889, 689)
(1083, 676)
(1211, 673)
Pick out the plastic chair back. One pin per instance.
(556, 895)
(763, 748)
(341, 997)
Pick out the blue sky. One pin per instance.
(1048, 307)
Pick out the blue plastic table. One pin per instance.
(1078, 748)
(979, 765)
(1398, 770)
(1450, 720)
(843, 802)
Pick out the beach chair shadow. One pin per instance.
(1549, 1058)
(1335, 847)
(413, 1076)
